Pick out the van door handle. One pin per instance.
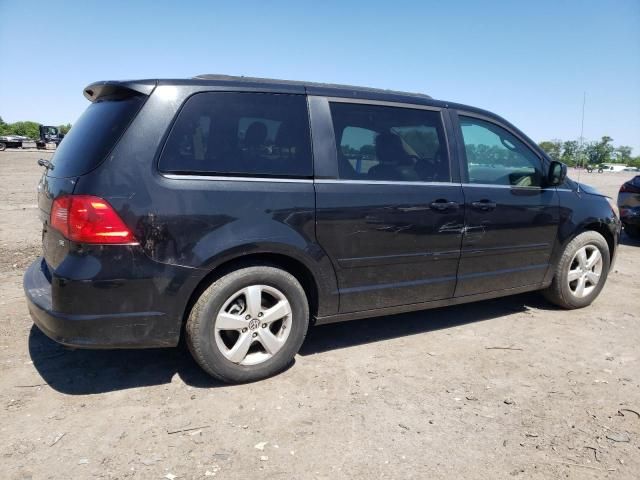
(484, 205)
(441, 205)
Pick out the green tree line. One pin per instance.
(27, 128)
(594, 153)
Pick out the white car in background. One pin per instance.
(613, 167)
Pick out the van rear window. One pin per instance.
(94, 135)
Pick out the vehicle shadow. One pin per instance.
(347, 334)
(81, 372)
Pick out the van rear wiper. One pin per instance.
(45, 163)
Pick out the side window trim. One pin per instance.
(323, 140)
(462, 154)
(451, 141)
(383, 182)
(383, 103)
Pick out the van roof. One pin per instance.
(268, 84)
(98, 89)
(307, 85)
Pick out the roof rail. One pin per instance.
(232, 78)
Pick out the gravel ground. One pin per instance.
(501, 388)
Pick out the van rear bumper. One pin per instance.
(117, 330)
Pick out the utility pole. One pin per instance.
(584, 101)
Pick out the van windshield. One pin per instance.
(94, 135)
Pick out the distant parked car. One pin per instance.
(629, 205)
(15, 141)
(613, 167)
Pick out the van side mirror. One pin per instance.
(557, 173)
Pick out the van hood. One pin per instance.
(583, 187)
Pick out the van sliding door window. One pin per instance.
(389, 143)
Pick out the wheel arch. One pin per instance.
(594, 225)
(317, 295)
(603, 230)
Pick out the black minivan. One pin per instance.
(236, 211)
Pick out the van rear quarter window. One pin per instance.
(94, 135)
(224, 133)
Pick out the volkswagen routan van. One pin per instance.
(239, 211)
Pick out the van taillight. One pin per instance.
(629, 188)
(89, 219)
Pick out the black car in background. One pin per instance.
(629, 205)
(238, 211)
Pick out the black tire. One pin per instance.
(559, 292)
(3, 146)
(200, 326)
(632, 231)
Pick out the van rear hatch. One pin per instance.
(90, 140)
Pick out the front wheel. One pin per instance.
(581, 272)
(249, 324)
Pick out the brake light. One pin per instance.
(89, 219)
(629, 188)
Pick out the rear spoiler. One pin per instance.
(99, 90)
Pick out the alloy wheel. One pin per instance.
(584, 271)
(253, 324)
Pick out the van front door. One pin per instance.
(511, 217)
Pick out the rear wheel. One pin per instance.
(581, 272)
(3, 146)
(249, 324)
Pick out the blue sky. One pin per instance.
(527, 61)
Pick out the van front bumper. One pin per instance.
(115, 330)
(630, 215)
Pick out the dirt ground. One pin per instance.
(508, 387)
